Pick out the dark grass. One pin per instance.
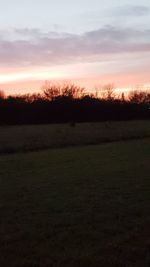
(85, 206)
(36, 137)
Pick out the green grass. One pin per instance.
(25, 138)
(70, 207)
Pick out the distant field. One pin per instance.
(24, 138)
(73, 207)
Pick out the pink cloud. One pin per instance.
(51, 49)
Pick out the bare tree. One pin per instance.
(51, 91)
(108, 92)
(139, 97)
(2, 94)
(71, 90)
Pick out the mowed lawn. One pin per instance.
(82, 206)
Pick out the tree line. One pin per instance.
(69, 103)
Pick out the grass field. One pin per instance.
(25, 138)
(81, 206)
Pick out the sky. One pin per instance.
(90, 42)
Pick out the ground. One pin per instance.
(36, 137)
(76, 206)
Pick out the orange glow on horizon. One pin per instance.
(32, 81)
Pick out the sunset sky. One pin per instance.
(87, 41)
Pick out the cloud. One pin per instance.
(52, 48)
(132, 10)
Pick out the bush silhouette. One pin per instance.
(69, 103)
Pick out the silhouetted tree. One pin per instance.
(51, 91)
(2, 94)
(72, 91)
(139, 97)
(109, 94)
(68, 103)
